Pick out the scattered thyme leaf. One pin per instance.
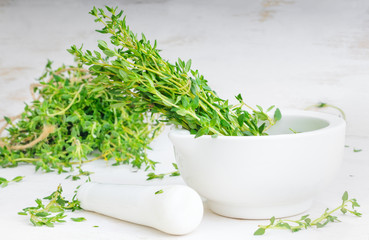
(357, 150)
(152, 175)
(159, 191)
(80, 219)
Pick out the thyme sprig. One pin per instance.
(81, 173)
(326, 105)
(5, 182)
(306, 222)
(181, 95)
(54, 211)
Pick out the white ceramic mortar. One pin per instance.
(257, 177)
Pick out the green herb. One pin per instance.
(80, 219)
(293, 131)
(159, 191)
(80, 174)
(181, 95)
(354, 149)
(4, 182)
(152, 175)
(74, 114)
(326, 105)
(113, 108)
(53, 212)
(95, 226)
(305, 222)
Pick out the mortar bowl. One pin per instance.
(257, 177)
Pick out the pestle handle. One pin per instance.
(174, 209)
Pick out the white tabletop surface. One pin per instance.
(288, 53)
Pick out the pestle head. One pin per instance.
(176, 209)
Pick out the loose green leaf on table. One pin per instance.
(159, 191)
(152, 175)
(80, 219)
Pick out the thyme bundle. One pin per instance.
(181, 95)
(113, 106)
(72, 116)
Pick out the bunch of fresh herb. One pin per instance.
(305, 221)
(73, 115)
(54, 211)
(180, 94)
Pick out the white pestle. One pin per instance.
(174, 209)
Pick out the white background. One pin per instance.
(287, 53)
